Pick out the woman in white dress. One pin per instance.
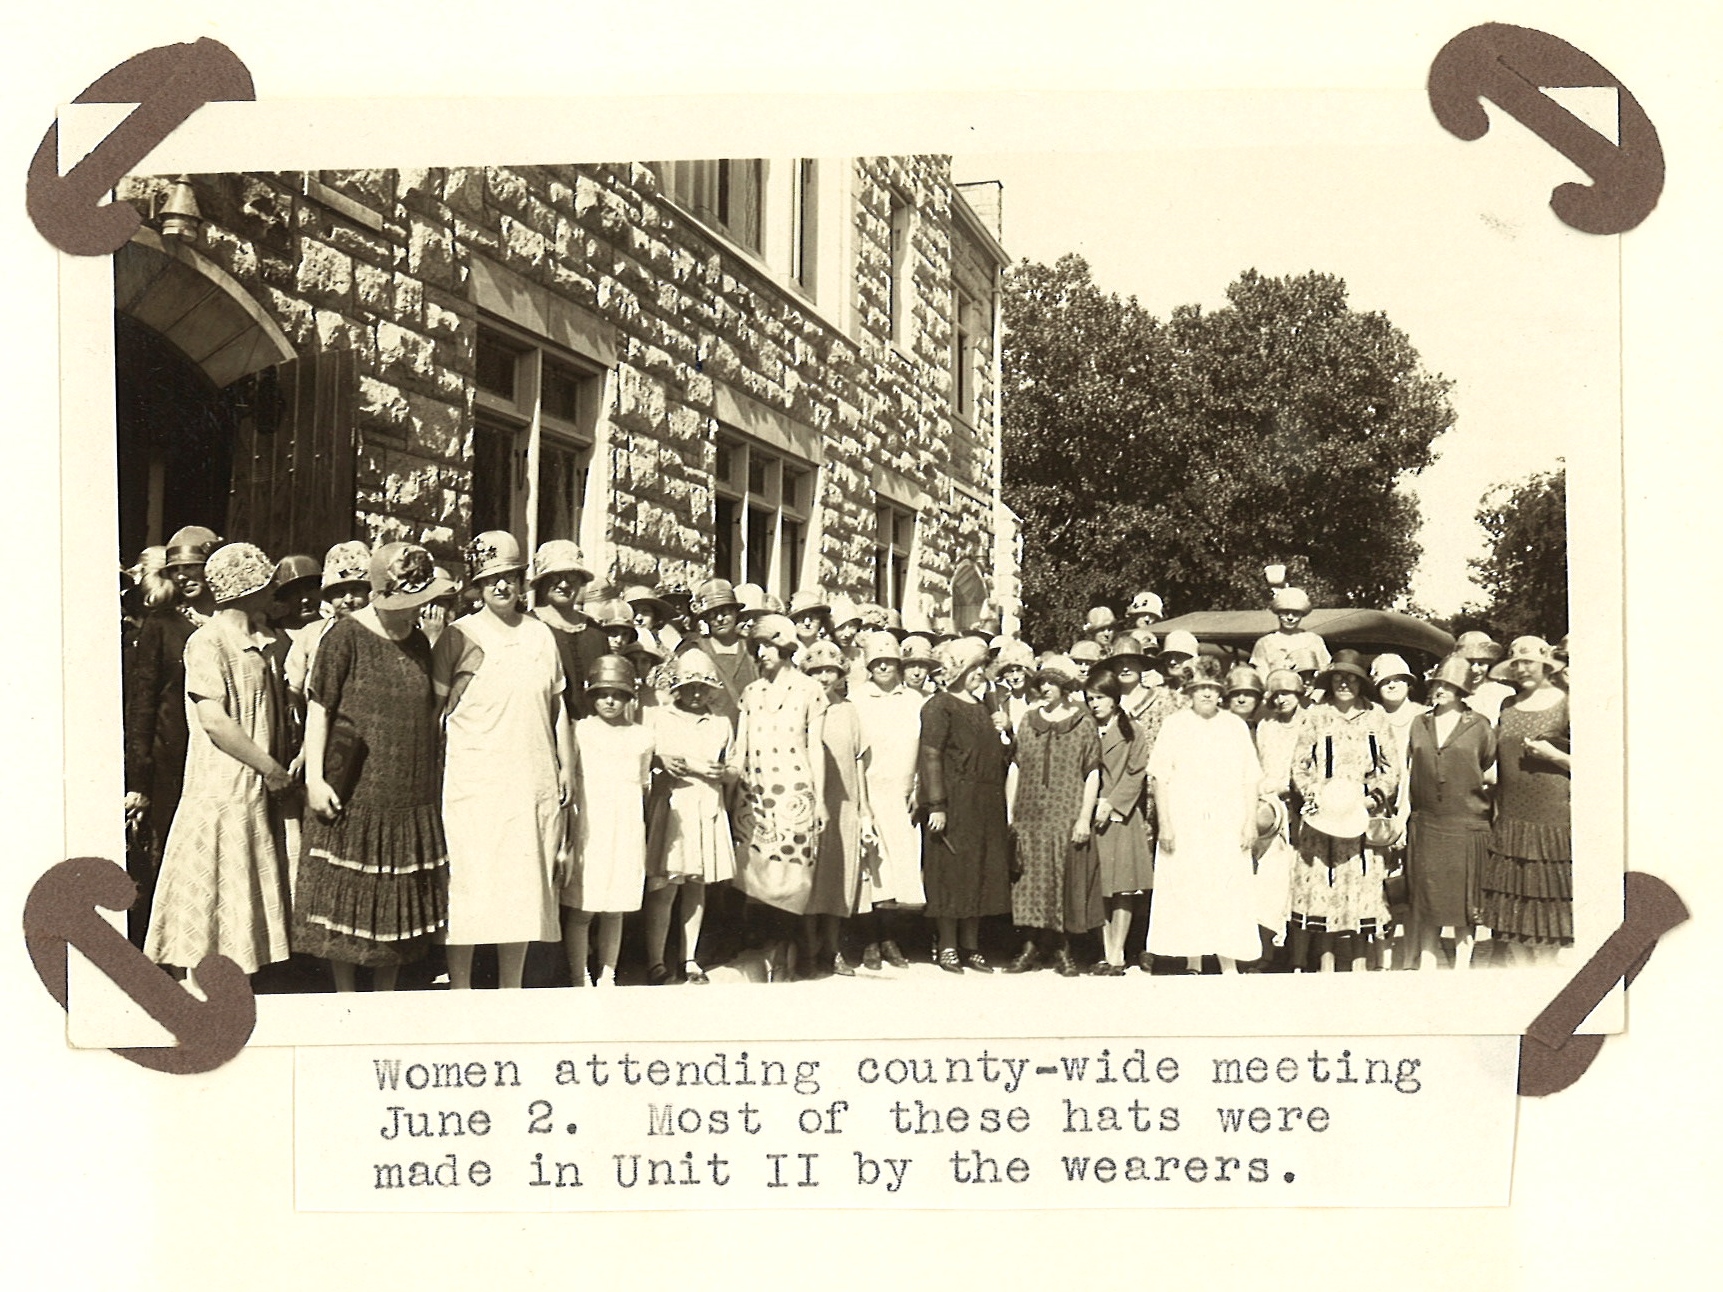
(508, 768)
(1205, 775)
(891, 729)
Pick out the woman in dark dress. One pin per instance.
(373, 884)
(965, 851)
(1528, 879)
(179, 603)
(1451, 756)
(558, 576)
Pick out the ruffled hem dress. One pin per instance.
(374, 883)
(1527, 880)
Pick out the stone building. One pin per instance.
(786, 371)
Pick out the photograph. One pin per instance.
(752, 570)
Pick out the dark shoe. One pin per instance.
(1146, 962)
(1064, 966)
(893, 957)
(657, 976)
(841, 967)
(1028, 960)
(978, 962)
(948, 960)
(870, 957)
(1103, 969)
(695, 975)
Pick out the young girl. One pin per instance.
(223, 885)
(1450, 768)
(1205, 777)
(609, 856)
(688, 835)
(1121, 827)
(1054, 786)
(919, 664)
(839, 888)
(557, 577)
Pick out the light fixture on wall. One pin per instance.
(181, 218)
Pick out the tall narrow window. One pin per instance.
(894, 535)
(760, 515)
(532, 406)
(726, 192)
(804, 225)
(963, 320)
(897, 289)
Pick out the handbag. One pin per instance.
(343, 757)
(776, 881)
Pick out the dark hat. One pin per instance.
(291, 569)
(1347, 661)
(611, 673)
(190, 545)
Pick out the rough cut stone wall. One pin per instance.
(389, 279)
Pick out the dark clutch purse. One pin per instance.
(343, 758)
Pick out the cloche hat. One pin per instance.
(611, 673)
(237, 570)
(346, 563)
(822, 654)
(403, 577)
(1145, 603)
(714, 594)
(558, 556)
(494, 552)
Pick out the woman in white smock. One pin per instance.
(508, 768)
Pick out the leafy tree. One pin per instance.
(1525, 572)
(1183, 456)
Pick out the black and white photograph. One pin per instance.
(863, 571)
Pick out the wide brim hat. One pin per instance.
(808, 601)
(778, 629)
(190, 545)
(402, 577)
(641, 595)
(822, 654)
(611, 673)
(1290, 599)
(712, 595)
(1201, 671)
(297, 568)
(597, 590)
(346, 563)
(919, 650)
(1349, 662)
(874, 616)
(1340, 810)
(957, 656)
(694, 667)
(557, 556)
(237, 570)
(1532, 648)
(1014, 652)
(1145, 603)
(880, 645)
(1453, 671)
(1128, 652)
(494, 552)
(1387, 667)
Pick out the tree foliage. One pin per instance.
(1184, 455)
(1525, 570)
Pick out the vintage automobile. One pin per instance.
(1370, 632)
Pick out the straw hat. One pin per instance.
(1145, 603)
(1014, 653)
(1290, 599)
(293, 569)
(402, 577)
(876, 646)
(1304, 660)
(1455, 672)
(1201, 671)
(875, 616)
(1243, 678)
(1340, 812)
(808, 601)
(959, 655)
(780, 630)
(694, 667)
(190, 545)
(237, 570)
(1387, 667)
(1086, 651)
(1478, 645)
(1057, 668)
(558, 556)
(919, 650)
(894, 624)
(346, 563)
(611, 673)
(822, 655)
(713, 595)
(494, 552)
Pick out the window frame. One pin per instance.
(734, 490)
(896, 528)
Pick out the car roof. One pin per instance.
(1370, 631)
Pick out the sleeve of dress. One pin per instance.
(331, 667)
(930, 767)
(1323, 659)
(142, 699)
(204, 675)
(1165, 754)
(1126, 789)
(1090, 760)
(454, 655)
(1259, 656)
(1486, 745)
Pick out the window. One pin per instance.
(965, 317)
(804, 225)
(894, 534)
(898, 287)
(727, 193)
(534, 411)
(760, 515)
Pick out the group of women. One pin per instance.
(359, 760)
